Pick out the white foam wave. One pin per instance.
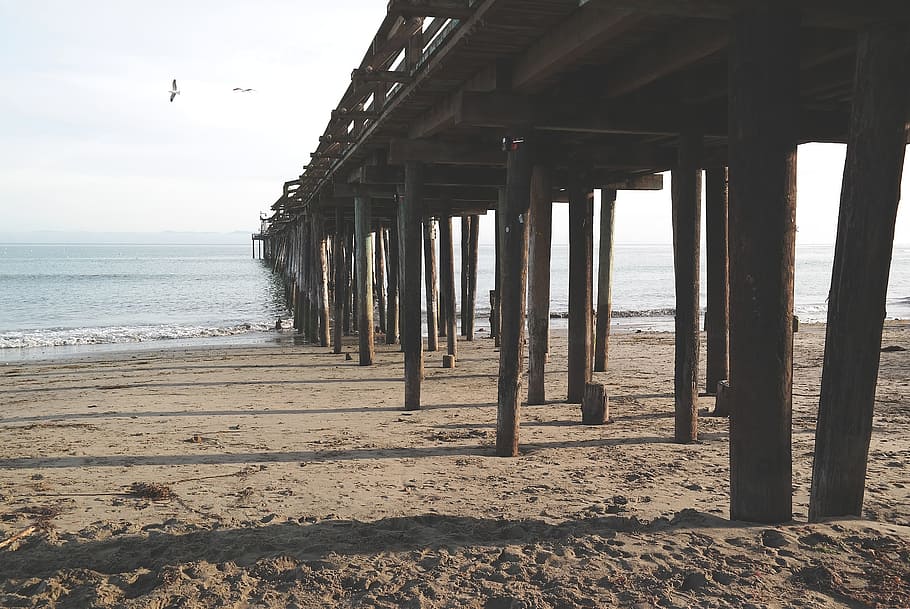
(121, 334)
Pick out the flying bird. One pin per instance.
(174, 91)
(242, 90)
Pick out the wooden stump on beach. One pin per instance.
(594, 405)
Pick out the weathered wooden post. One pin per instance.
(447, 283)
(411, 260)
(379, 271)
(470, 302)
(432, 293)
(495, 304)
(362, 220)
(540, 238)
(686, 195)
(391, 331)
(581, 254)
(876, 146)
(595, 405)
(338, 259)
(322, 279)
(717, 317)
(512, 215)
(348, 273)
(465, 271)
(763, 135)
(604, 280)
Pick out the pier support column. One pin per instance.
(764, 114)
(686, 196)
(465, 270)
(604, 280)
(496, 306)
(338, 259)
(470, 230)
(581, 257)
(391, 331)
(447, 283)
(432, 292)
(717, 317)
(540, 239)
(411, 260)
(322, 279)
(512, 215)
(362, 220)
(876, 146)
(379, 279)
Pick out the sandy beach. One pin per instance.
(291, 477)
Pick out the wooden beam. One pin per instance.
(639, 182)
(862, 259)
(681, 48)
(436, 175)
(452, 9)
(403, 150)
(361, 76)
(586, 30)
(846, 14)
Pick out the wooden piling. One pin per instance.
(581, 254)
(391, 331)
(470, 302)
(447, 283)
(338, 259)
(495, 303)
(348, 271)
(686, 195)
(595, 405)
(411, 260)
(604, 280)
(763, 135)
(465, 270)
(322, 279)
(540, 238)
(379, 276)
(431, 290)
(362, 220)
(513, 218)
(871, 190)
(717, 316)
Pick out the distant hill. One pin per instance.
(165, 237)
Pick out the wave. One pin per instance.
(121, 335)
(622, 314)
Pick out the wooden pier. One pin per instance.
(461, 108)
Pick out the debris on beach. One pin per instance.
(152, 490)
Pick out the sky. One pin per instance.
(89, 141)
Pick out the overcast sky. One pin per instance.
(90, 141)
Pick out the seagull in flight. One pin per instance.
(242, 90)
(174, 91)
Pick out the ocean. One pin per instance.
(58, 300)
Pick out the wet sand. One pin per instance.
(298, 481)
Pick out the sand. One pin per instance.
(297, 481)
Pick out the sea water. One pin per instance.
(61, 299)
(57, 298)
